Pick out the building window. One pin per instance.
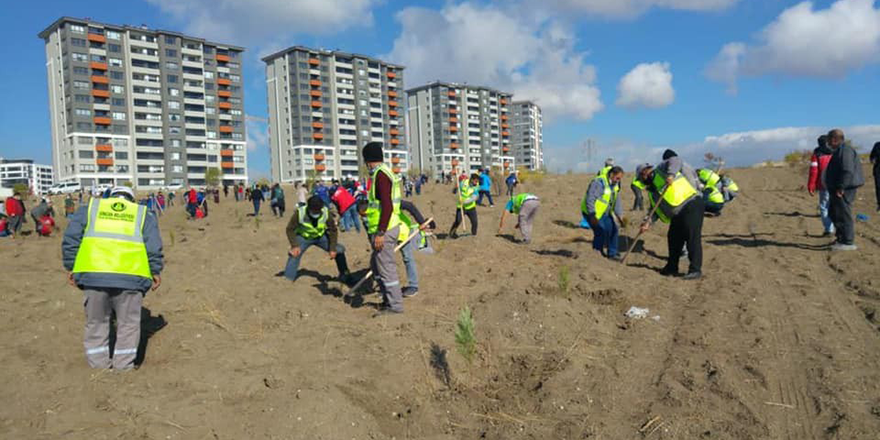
(81, 57)
(113, 35)
(114, 47)
(79, 70)
(118, 101)
(170, 40)
(86, 154)
(115, 62)
(170, 53)
(81, 85)
(83, 112)
(119, 116)
(173, 92)
(114, 74)
(174, 105)
(77, 28)
(82, 98)
(117, 89)
(170, 65)
(78, 42)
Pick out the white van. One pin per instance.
(64, 188)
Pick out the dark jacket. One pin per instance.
(70, 246)
(844, 170)
(875, 157)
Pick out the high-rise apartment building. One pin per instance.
(24, 171)
(324, 106)
(528, 135)
(150, 107)
(459, 127)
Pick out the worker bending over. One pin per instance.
(525, 206)
(673, 186)
(600, 206)
(313, 225)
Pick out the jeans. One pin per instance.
(409, 261)
(606, 234)
(350, 219)
(487, 194)
(256, 207)
(638, 204)
(291, 271)
(823, 211)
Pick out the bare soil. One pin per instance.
(779, 340)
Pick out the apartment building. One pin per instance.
(14, 171)
(150, 107)
(527, 135)
(324, 106)
(459, 128)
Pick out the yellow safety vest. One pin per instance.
(374, 208)
(713, 194)
(609, 195)
(113, 241)
(709, 178)
(466, 191)
(305, 229)
(676, 194)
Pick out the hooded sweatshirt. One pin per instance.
(818, 164)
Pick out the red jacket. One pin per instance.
(818, 163)
(47, 223)
(14, 207)
(342, 198)
(192, 197)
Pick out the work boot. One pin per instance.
(386, 311)
(410, 291)
(669, 271)
(693, 275)
(843, 247)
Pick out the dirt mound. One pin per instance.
(779, 340)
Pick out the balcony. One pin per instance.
(395, 160)
(396, 170)
(227, 165)
(222, 58)
(392, 94)
(101, 120)
(393, 113)
(98, 66)
(453, 111)
(453, 129)
(505, 149)
(503, 117)
(97, 38)
(226, 153)
(225, 129)
(454, 162)
(315, 83)
(318, 125)
(224, 82)
(104, 148)
(224, 93)
(391, 75)
(395, 141)
(314, 62)
(316, 104)
(392, 104)
(451, 94)
(505, 133)
(505, 125)
(315, 93)
(317, 135)
(224, 105)
(394, 132)
(319, 156)
(97, 79)
(105, 162)
(503, 101)
(320, 167)
(453, 145)
(453, 119)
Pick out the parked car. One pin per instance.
(98, 190)
(64, 188)
(174, 187)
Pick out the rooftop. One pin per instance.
(453, 85)
(283, 52)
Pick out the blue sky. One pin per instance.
(751, 80)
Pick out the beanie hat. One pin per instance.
(315, 203)
(372, 152)
(669, 153)
(640, 168)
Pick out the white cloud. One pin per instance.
(646, 85)
(632, 8)
(257, 134)
(806, 42)
(738, 149)
(485, 45)
(252, 21)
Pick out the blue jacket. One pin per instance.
(70, 246)
(485, 182)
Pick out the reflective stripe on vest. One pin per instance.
(609, 195)
(466, 191)
(305, 229)
(709, 178)
(676, 194)
(730, 185)
(374, 207)
(714, 195)
(113, 240)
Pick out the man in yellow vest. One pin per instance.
(313, 225)
(712, 195)
(673, 185)
(467, 202)
(113, 252)
(383, 226)
(600, 205)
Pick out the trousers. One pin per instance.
(99, 306)
(291, 270)
(840, 211)
(409, 262)
(527, 217)
(824, 198)
(472, 217)
(384, 267)
(606, 235)
(686, 228)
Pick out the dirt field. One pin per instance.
(779, 340)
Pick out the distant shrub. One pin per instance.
(795, 158)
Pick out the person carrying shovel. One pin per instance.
(674, 199)
(467, 203)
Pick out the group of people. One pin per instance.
(13, 215)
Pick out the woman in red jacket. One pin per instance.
(15, 212)
(818, 163)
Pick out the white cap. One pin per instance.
(122, 191)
